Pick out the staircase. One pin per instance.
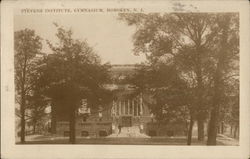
(131, 132)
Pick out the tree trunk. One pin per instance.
(53, 117)
(222, 128)
(34, 128)
(72, 122)
(218, 84)
(231, 130)
(218, 130)
(22, 135)
(23, 102)
(199, 91)
(214, 115)
(200, 123)
(190, 129)
(235, 131)
(212, 131)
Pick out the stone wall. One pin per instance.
(160, 129)
(85, 129)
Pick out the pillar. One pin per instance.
(120, 107)
(137, 108)
(129, 106)
(133, 108)
(141, 111)
(114, 107)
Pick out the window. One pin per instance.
(66, 133)
(152, 133)
(84, 118)
(84, 133)
(170, 133)
(103, 133)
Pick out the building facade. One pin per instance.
(127, 109)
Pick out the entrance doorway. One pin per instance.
(126, 121)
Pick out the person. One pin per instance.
(120, 128)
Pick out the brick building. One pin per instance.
(128, 109)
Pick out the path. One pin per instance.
(132, 132)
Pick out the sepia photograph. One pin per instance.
(144, 78)
(125, 80)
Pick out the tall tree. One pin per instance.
(191, 42)
(27, 45)
(163, 36)
(74, 71)
(168, 94)
(226, 58)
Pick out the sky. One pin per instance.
(110, 37)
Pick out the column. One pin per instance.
(141, 111)
(115, 109)
(120, 107)
(128, 107)
(133, 107)
(137, 108)
(123, 108)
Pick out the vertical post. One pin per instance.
(114, 108)
(128, 107)
(136, 108)
(132, 107)
(53, 117)
(120, 106)
(124, 107)
(141, 111)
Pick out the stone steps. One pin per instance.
(133, 132)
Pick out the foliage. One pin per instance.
(27, 46)
(74, 71)
(203, 47)
(169, 94)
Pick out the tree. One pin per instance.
(166, 36)
(37, 103)
(227, 56)
(168, 94)
(191, 42)
(27, 45)
(73, 72)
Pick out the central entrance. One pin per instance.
(126, 121)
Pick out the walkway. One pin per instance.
(133, 132)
